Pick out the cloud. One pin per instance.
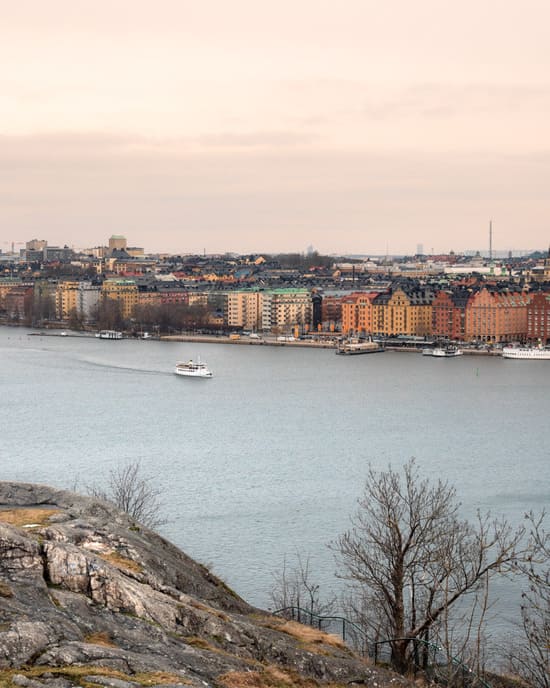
(260, 139)
(435, 101)
(165, 195)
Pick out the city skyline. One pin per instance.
(254, 127)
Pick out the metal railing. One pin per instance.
(428, 657)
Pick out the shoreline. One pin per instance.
(245, 341)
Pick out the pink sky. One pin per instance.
(353, 126)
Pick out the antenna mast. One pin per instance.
(490, 240)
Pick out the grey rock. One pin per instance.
(111, 682)
(92, 589)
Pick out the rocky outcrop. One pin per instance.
(87, 596)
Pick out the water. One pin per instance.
(269, 457)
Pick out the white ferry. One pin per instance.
(192, 369)
(353, 346)
(109, 334)
(529, 353)
(442, 352)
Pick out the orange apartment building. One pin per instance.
(496, 316)
(357, 313)
(449, 314)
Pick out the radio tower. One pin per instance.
(490, 240)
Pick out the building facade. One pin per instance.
(81, 298)
(538, 318)
(125, 292)
(496, 316)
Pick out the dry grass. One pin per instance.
(270, 677)
(210, 610)
(77, 674)
(27, 517)
(201, 643)
(158, 677)
(306, 634)
(100, 638)
(121, 562)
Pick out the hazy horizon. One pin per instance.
(357, 128)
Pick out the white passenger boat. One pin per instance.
(528, 353)
(354, 346)
(442, 352)
(109, 334)
(192, 369)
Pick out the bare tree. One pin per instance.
(410, 558)
(133, 493)
(530, 654)
(294, 588)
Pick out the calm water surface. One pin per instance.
(269, 457)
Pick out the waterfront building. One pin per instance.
(331, 313)
(401, 312)
(124, 291)
(316, 311)
(357, 313)
(496, 316)
(420, 312)
(449, 313)
(285, 308)
(538, 318)
(18, 301)
(78, 297)
(244, 309)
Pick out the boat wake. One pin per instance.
(125, 368)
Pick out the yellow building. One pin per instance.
(79, 297)
(123, 291)
(398, 313)
(244, 309)
(66, 299)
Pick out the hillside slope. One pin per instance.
(90, 598)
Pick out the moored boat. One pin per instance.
(353, 346)
(109, 334)
(443, 351)
(527, 353)
(193, 369)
